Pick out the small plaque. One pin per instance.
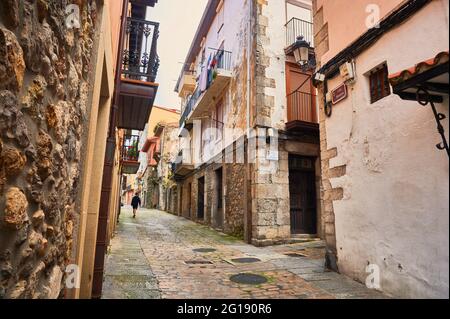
(338, 94)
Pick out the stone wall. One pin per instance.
(234, 199)
(44, 89)
(152, 198)
(169, 150)
(329, 194)
(233, 176)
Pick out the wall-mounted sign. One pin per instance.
(339, 93)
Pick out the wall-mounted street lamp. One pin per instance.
(303, 53)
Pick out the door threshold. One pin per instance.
(305, 236)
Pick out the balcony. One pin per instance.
(139, 64)
(180, 168)
(204, 96)
(130, 154)
(187, 83)
(302, 113)
(295, 28)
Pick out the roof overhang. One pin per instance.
(205, 24)
(426, 83)
(429, 76)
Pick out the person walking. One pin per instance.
(135, 202)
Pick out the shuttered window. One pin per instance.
(379, 83)
(219, 120)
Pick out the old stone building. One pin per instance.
(249, 148)
(149, 147)
(385, 183)
(60, 150)
(167, 133)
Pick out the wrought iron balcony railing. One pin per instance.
(297, 27)
(190, 104)
(222, 61)
(140, 60)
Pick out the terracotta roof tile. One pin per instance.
(421, 67)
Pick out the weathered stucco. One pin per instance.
(383, 174)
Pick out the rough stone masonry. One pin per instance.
(44, 72)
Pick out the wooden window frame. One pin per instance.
(219, 187)
(379, 86)
(218, 119)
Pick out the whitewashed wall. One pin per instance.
(234, 34)
(395, 211)
(276, 12)
(143, 158)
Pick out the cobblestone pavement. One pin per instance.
(153, 256)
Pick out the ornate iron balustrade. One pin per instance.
(190, 105)
(140, 60)
(297, 27)
(223, 58)
(222, 62)
(130, 150)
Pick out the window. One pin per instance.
(219, 181)
(219, 120)
(379, 83)
(220, 57)
(205, 140)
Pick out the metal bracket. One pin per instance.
(423, 98)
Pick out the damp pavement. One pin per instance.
(162, 256)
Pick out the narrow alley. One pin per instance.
(153, 256)
(273, 149)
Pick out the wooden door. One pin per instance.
(189, 196)
(201, 198)
(219, 199)
(302, 188)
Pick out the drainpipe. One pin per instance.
(331, 251)
(249, 49)
(327, 107)
(247, 184)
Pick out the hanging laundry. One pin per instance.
(209, 72)
(204, 78)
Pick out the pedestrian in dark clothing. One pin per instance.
(135, 202)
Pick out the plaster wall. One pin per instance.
(394, 212)
(342, 34)
(234, 35)
(275, 16)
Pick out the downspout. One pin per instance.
(249, 50)
(331, 251)
(247, 184)
(108, 169)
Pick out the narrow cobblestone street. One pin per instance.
(153, 257)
